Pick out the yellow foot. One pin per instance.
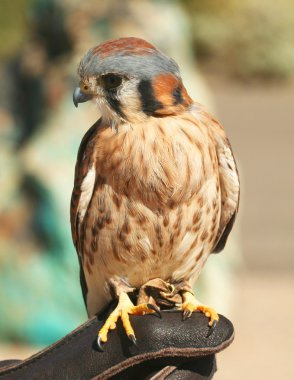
(190, 304)
(124, 308)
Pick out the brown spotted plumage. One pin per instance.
(156, 185)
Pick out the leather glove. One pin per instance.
(167, 348)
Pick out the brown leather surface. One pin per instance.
(161, 343)
(171, 369)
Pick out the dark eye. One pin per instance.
(111, 81)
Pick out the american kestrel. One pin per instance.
(156, 185)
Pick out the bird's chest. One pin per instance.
(154, 208)
(126, 238)
(159, 167)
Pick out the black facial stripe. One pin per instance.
(177, 95)
(114, 104)
(149, 103)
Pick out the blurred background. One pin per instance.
(237, 58)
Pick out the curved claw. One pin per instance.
(133, 339)
(155, 309)
(187, 314)
(99, 344)
(212, 328)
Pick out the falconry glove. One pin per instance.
(167, 348)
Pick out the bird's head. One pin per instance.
(131, 80)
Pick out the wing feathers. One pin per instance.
(82, 193)
(82, 183)
(229, 185)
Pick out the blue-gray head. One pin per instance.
(130, 79)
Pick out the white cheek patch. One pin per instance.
(86, 192)
(107, 113)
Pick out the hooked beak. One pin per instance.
(80, 97)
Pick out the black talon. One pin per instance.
(212, 328)
(133, 339)
(99, 344)
(187, 314)
(154, 308)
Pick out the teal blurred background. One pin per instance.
(237, 58)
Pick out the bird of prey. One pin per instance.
(156, 186)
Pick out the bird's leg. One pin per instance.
(124, 308)
(190, 304)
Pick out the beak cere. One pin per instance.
(80, 97)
